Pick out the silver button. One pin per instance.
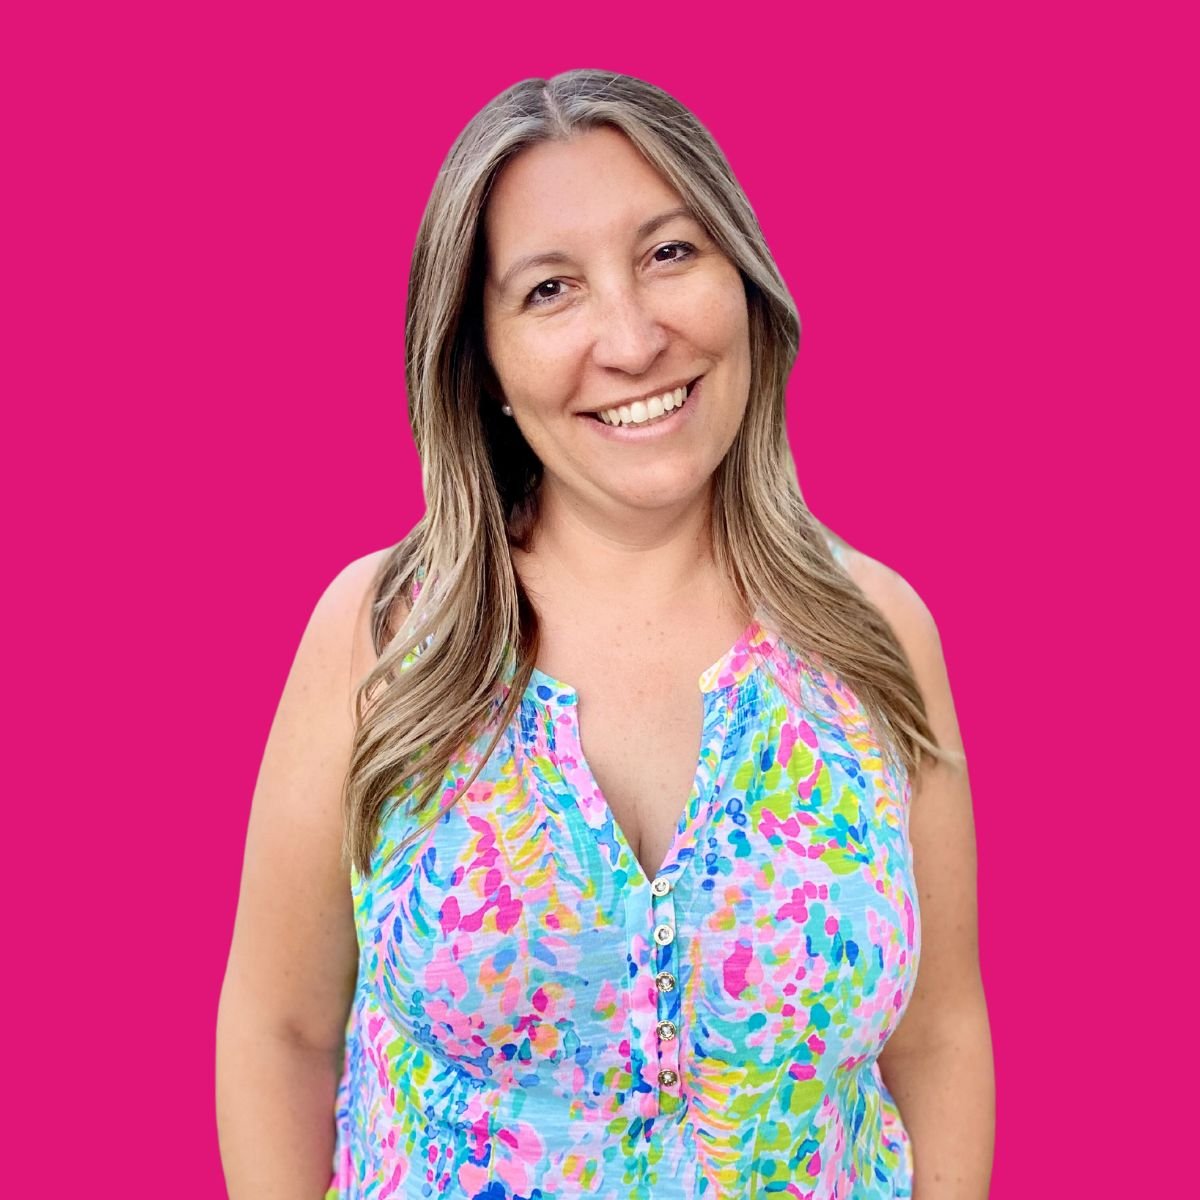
(667, 1078)
(666, 1030)
(664, 935)
(660, 887)
(664, 981)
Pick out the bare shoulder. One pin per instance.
(916, 630)
(900, 603)
(352, 583)
(333, 653)
(341, 620)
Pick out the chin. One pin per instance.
(673, 488)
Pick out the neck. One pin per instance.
(621, 558)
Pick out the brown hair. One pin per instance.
(441, 676)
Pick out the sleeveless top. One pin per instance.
(535, 1018)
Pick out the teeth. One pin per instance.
(641, 411)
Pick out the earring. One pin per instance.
(506, 409)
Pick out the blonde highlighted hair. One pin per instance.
(472, 622)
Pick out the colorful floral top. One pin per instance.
(535, 1018)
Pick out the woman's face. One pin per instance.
(600, 293)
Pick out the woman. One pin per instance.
(602, 934)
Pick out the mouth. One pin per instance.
(626, 416)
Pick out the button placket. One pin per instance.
(666, 1030)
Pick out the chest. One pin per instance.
(641, 735)
(516, 936)
(640, 713)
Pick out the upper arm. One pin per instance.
(941, 826)
(293, 960)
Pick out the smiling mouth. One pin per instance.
(638, 414)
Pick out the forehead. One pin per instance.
(553, 194)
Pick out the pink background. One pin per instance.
(988, 225)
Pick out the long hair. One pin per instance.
(455, 662)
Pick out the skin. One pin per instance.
(622, 541)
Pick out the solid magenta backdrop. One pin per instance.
(981, 220)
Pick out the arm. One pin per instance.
(938, 1062)
(293, 960)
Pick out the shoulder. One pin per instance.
(916, 630)
(351, 588)
(899, 602)
(339, 629)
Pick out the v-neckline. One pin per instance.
(562, 699)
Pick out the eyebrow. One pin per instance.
(549, 257)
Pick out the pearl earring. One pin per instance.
(506, 409)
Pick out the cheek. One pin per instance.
(535, 365)
(720, 318)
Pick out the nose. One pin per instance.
(628, 335)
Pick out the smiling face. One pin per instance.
(602, 291)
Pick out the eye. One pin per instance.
(538, 297)
(686, 248)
